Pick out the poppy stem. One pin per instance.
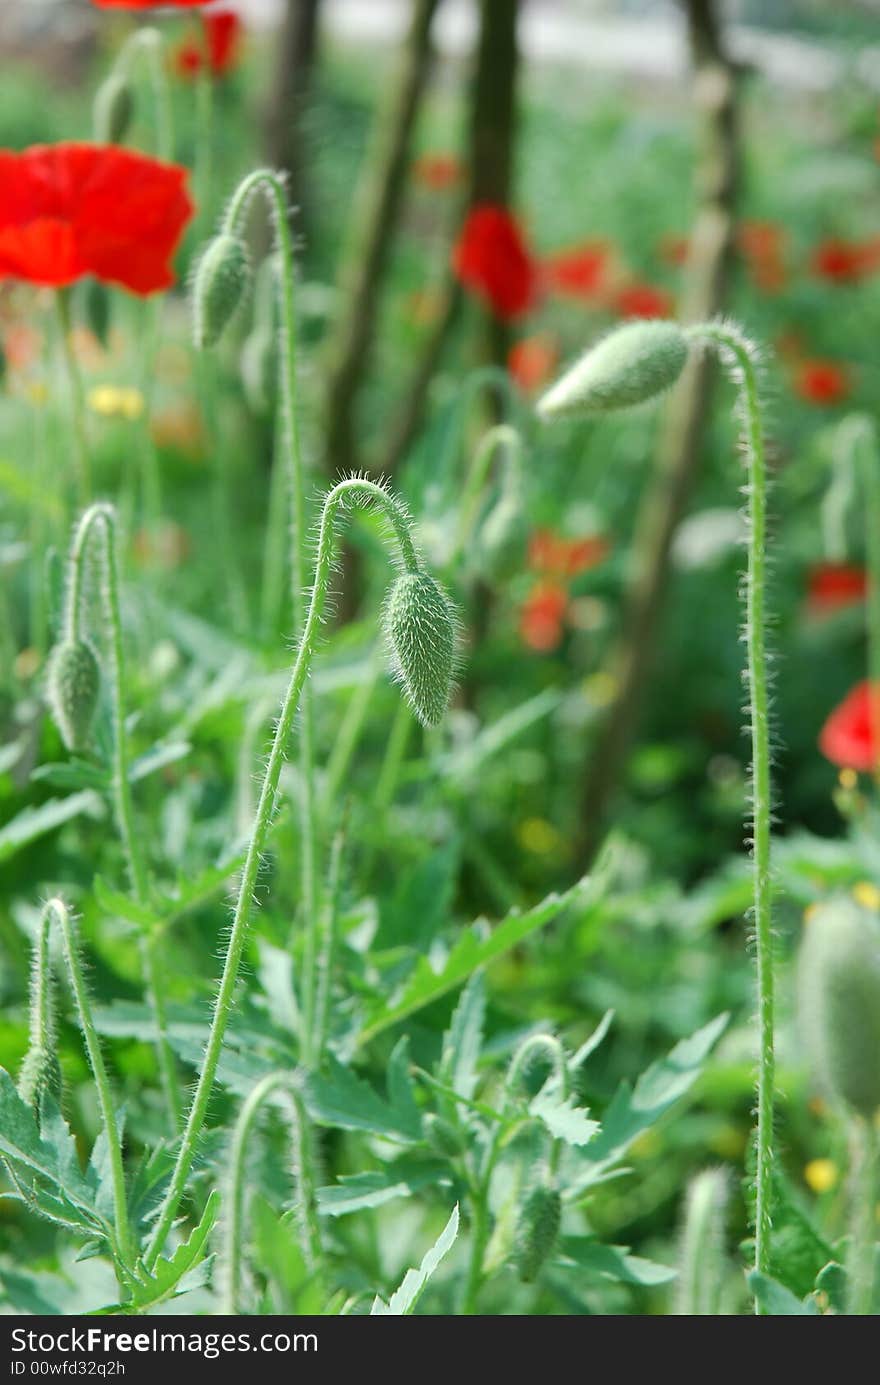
(864, 1234)
(289, 454)
(866, 443)
(82, 458)
(204, 142)
(343, 496)
(502, 435)
(740, 356)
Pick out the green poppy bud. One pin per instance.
(420, 625)
(839, 1001)
(112, 109)
(39, 1075)
(73, 684)
(221, 283)
(633, 364)
(537, 1228)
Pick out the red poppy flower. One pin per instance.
(848, 737)
(67, 210)
(843, 261)
(832, 586)
(760, 240)
(491, 258)
(554, 555)
(219, 49)
(437, 171)
(821, 382)
(577, 272)
(541, 618)
(643, 300)
(532, 361)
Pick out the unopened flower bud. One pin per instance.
(74, 681)
(221, 283)
(420, 625)
(630, 366)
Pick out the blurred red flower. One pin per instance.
(437, 171)
(542, 615)
(642, 300)
(554, 555)
(821, 382)
(577, 272)
(843, 261)
(67, 210)
(220, 49)
(491, 258)
(832, 586)
(762, 244)
(848, 738)
(674, 249)
(532, 361)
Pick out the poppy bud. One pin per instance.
(442, 1136)
(633, 364)
(220, 284)
(537, 1227)
(420, 626)
(74, 680)
(113, 109)
(40, 1074)
(840, 1002)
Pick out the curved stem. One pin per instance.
(83, 467)
(265, 181)
(56, 910)
(501, 435)
(346, 492)
(733, 345)
(486, 377)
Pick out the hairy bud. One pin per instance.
(220, 285)
(420, 626)
(113, 109)
(839, 998)
(39, 1075)
(537, 1227)
(73, 684)
(633, 364)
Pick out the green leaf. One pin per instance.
(340, 1098)
(633, 1110)
(45, 1165)
(464, 762)
(373, 1188)
(614, 1262)
(167, 1279)
(774, 1299)
(832, 1281)
(32, 823)
(475, 948)
(463, 1040)
(405, 1298)
(590, 1045)
(564, 1119)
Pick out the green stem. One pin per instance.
(56, 910)
(395, 752)
(318, 1012)
(82, 458)
(486, 377)
(863, 1264)
(204, 143)
(871, 482)
(733, 345)
(267, 182)
(349, 733)
(346, 492)
(501, 435)
(275, 550)
(104, 515)
(149, 42)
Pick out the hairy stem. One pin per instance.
(345, 493)
(863, 1256)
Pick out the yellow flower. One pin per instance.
(116, 401)
(601, 688)
(821, 1175)
(848, 779)
(538, 835)
(866, 894)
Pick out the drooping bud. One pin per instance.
(221, 283)
(112, 109)
(73, 684)
(633, 364)
(537, 1227)
(421, 629)
(39, 1076)
(839, 1001)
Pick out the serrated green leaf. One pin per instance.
(614, 1262)
(45, 1166)
(475, 948)
(405, 1298)
(340, 1098)
(776, 1301)
(564, 1119)
(167, 1279)
(463, 1040)
(375, 1187)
